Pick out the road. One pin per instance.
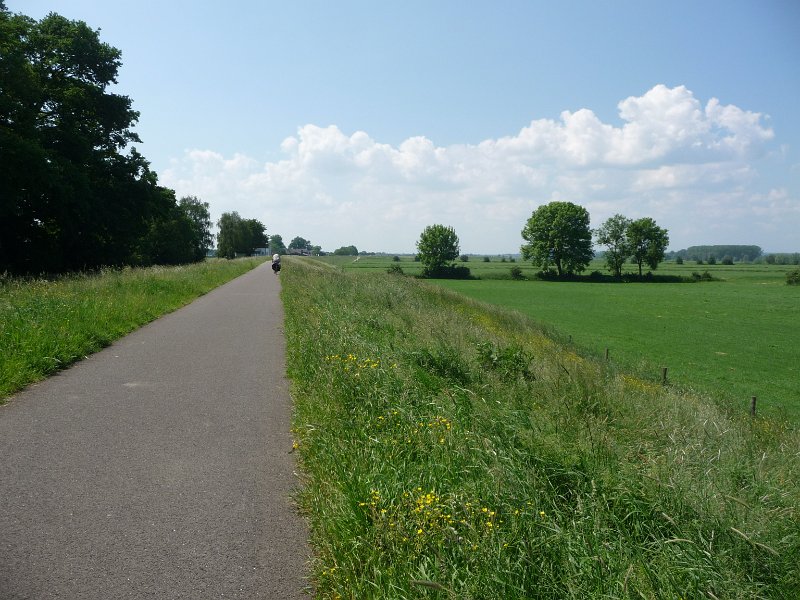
(160, 467)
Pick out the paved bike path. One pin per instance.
(161, 466)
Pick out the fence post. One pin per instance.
(753, 406)
(606, 354)
(663, 375)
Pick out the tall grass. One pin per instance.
(46, 325)
(452, 450)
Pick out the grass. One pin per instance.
(734, 338)
(46, 325)
(452, 449)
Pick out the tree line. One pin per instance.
(559, 241)
(71, 196)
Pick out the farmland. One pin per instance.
(453, 449)
(732, 339)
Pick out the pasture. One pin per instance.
(732, 339)
(453, 449)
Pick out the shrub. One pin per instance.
(395, 259)
(463, 258)
(793, 277)
(485, 259)
(712, 260)
(516, 273)
(395, 270)
(704, 276)
(448, 272)
(679, 260)
(727, 260)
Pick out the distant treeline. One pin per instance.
(704, 253)
(730, 253)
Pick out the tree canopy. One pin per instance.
(238, 236)
(558, 235)
(299, 243)
(648, 242)
(276, 244)
(71, 196)
(437, 247)
(614, 235)
(346, 251)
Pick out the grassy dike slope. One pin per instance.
(450, 449)
(46, 325)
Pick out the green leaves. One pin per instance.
(437, 246)
(558, 235)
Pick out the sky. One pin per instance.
(362, 122)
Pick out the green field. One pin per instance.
(451, 449)
(733, 339)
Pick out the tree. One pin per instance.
(196, 212)
(648, 242)
(558, 234)
(69, 197)
(276, 244)
(613, 234)
(299, 243)
(346, 251)
(437, 246)
(239, 236)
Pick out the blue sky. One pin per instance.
(362, 122)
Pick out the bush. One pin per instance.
(395, 270)
(679, 260)
(485, 259)
(463, 258)
(516, 273)
(727, 260)
(704, 276)
(793, 277)
(448, 272)
(395, 259)
(712, 260)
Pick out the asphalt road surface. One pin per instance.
(160, 467)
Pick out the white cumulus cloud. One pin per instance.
(671, 158)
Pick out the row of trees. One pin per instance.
(558, 236)
(71, 196)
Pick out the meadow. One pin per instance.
(48, 324)
(453, 449)
(732, 339)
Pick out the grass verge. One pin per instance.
(46, 325)
(453, 450)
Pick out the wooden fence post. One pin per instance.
(753, 406)
(606, 354)
(663, 375)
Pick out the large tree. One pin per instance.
(198, 215)
(437, 247)
(613, 234)
(276, 244)
(299, 243)
(239, 236)
(558, 235)
(648, 242)
(69, 197)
